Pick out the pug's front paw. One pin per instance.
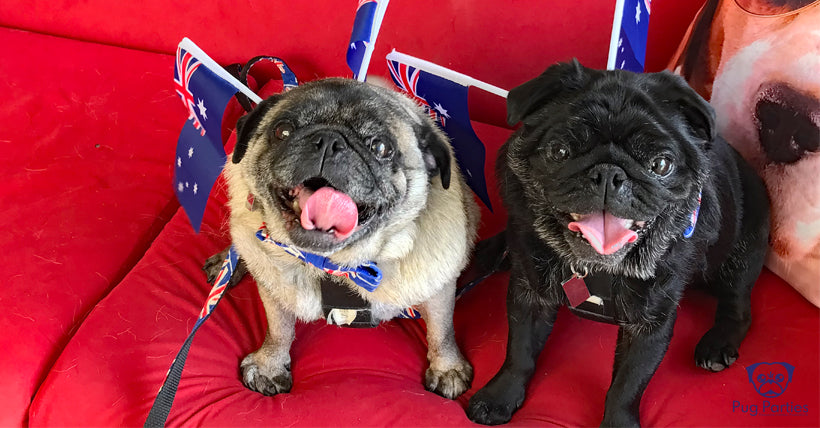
(450, 382)
(488, 408)
(267, 379)
(715, 352)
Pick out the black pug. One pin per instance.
(619, 178)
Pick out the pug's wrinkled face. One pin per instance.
(607, 157)
(335, 159)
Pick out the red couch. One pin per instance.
(103, 278)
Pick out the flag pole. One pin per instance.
(616, 34)
(455, 76)
(212, 65)
(381, 8)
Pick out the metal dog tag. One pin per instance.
(576, 290)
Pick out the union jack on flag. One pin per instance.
(445, 100)
(185, 67)
(407, 79)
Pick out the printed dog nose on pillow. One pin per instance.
(757, 63)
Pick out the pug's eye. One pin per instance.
(381, 149)
(661, 166)
(283, 130)
(558, 152)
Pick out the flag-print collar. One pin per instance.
(367, 275)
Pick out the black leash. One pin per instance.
(165, 398)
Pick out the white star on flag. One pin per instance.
(180, 187)
(195, 187)
(202, 109)
(638, 12)
(440, 109)
(179, 161)
(190, 152)
(353, 46)
(186, 184)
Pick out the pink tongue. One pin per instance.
(605, 232)
(327, 209)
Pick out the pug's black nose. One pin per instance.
(329, 142)
(607, 178)
(784, 122)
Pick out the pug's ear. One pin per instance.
(247, 124)
(698, 113)
(529, 96)
(435, 150)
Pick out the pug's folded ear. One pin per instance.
(698, 113)
(247, 124)
(435, 150)
(529, 96)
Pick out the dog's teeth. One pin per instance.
(640, 223)
(575, 217)
(296, 205)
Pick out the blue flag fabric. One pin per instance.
(446, 102)
(200, 154)
(631, 50)
(360, 37)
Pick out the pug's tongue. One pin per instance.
(327, 209)
(605, 232)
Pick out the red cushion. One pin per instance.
(87, 170)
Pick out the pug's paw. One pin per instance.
(622, 419)
(267, 379)
(450, 382)
(488, 408)
(213, 265)
(714, 352)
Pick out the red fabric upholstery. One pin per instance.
(86, 166)
(79, 219)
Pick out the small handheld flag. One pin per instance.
(205, 89)
(630, 30)
(369, 16)
(443, 93)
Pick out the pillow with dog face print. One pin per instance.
(757, 62)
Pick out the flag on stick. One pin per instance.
(205, 89)
(369, 16)
(630, 30)
(443, 93)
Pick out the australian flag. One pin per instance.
(446, 102)
(361, 36)
(200, 154)
(627, 51)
